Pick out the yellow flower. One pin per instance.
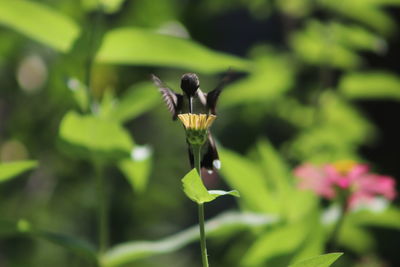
(196, 126)
(197, 121)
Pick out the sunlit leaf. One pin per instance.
(296, 204)
(334, 44)
(137, 100)
(388, 218)
(325, 260)
(92, 136)
(80, 93)
(356, 37)
(282, 240)
(371, 85)
(293, 203)
(273, 165)
(247, 178)
(356, 238)
(363, 11)
(296, 113)
(108, 6)
(9, 170)
(271, 77)
(218, 193)
(40, 23)
(316, 44)
(296, 8)
(314, 244)
(340, 130)
(137, 169)
(321, 144)
(134, 46)
(195, 190)
(231, 222)
(339, 113)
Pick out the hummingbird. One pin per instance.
(194, 100)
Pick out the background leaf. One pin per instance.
(370, 85)
(135, 46)
(366, 12)
(43, 24)
(271, 76)
(77, 246)
(281, 241)
(137, 170)
(108, 6)
(92, 136)
(231, 222)
(135, 101)
(9, 170)
(325, 260)
(242, 174)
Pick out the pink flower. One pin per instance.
(314, 178)
(353, 179)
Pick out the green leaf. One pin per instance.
(341, 129)
(314, 244)
(273, 166)
(135, 46)
(218, 193)
(137, 169)
(348, 121)
(356, 238)
(73, 244)
(77, 246)
(268, 66)
(388, 218)
(371, 85)
(40, 23)
(228, 223)
(139, 99)
(108, 6)
(356, 37)
(294, 204)
(325, 260)
(195, 190)
(90, 136)
(276, 242)
(366, 12)
(244, 175)
(296, 8)
(316, 44)
(10, 170)
(79, 92)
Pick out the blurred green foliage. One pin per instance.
(75, 97)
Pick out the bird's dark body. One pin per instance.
(193, 100)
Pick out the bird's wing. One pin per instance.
(212, 96)
(172, 100)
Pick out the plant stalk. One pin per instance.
(102, 208)
(197, 159)
(333, 242)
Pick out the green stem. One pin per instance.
(102, 208)
(333, 242)
(202, 236)
(197, 160)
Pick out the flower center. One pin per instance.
(344, 166)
